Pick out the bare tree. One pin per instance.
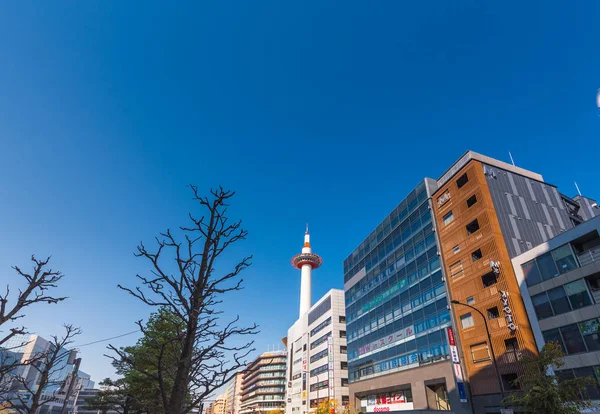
(35, 290)
(188, 285)
(46, 365)
(37, 283)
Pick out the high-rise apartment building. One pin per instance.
(560, 286)
(233, 394)
(263, 384)
(317, 367)
(415, 288)
(218, 406)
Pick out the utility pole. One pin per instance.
(71, 386)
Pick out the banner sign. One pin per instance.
(390, 339)
(461, 391)
(456, 365)
(331, 381)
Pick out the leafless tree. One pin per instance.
(36, 285)
(46, 365)
(183, 279)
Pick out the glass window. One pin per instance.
(578, 294)
(472, 227)
(480, 352)
(493, 313)
(531, 273)
(476, 255)
(489, 279)
(470, 300)
(546, 266)
(573, 340)
(456, 249)
(565, 261)
(448, 218)
(462, 180)
(553, 335)
(592, 389)
(559, 301)
(467, 321)
(471, 200)
(589, 330)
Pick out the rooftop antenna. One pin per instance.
(511, 158)
(578, 190)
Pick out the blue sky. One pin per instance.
(326, 112)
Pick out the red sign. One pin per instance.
(451, 337)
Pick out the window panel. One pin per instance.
(565, 261)
(480, 352)
(448, 218)
(589, 330)
(572, 338)
(553, 335)
(546, 266)
(467, 321)
(578, 294)
(559, 301)
(531, 273)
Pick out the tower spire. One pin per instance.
(306, 262)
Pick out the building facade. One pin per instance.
(27, 347)
(421, 289)
(397, 315)
(233, 394)
(263, 384)
(317, 366)
(560, 286)
(488, 212)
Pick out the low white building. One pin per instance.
(317, 366)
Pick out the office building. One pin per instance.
(489, 212)
(397, 314)
(450, 239)
(263, 384)
(27, 347)
(233, 394)
(317, 365)
(560, 286)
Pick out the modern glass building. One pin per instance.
(560, 285)
(397, 313)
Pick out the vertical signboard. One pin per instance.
(460, 385)
(331, 378)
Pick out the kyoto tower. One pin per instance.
(306, 262)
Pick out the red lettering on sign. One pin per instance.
(451, 336)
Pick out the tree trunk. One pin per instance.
(180, 388)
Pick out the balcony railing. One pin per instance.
(589, 256)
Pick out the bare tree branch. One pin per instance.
(182, 278)
(46, 364)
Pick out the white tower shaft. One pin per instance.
(305, 288)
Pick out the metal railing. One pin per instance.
(589, 256)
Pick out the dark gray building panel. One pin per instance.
(529, 211)
(589, 208)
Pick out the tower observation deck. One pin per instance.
(306, 262)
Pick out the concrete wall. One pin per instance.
(417, 378)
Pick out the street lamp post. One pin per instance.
(489, 341)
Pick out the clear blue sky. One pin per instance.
(326, 112)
